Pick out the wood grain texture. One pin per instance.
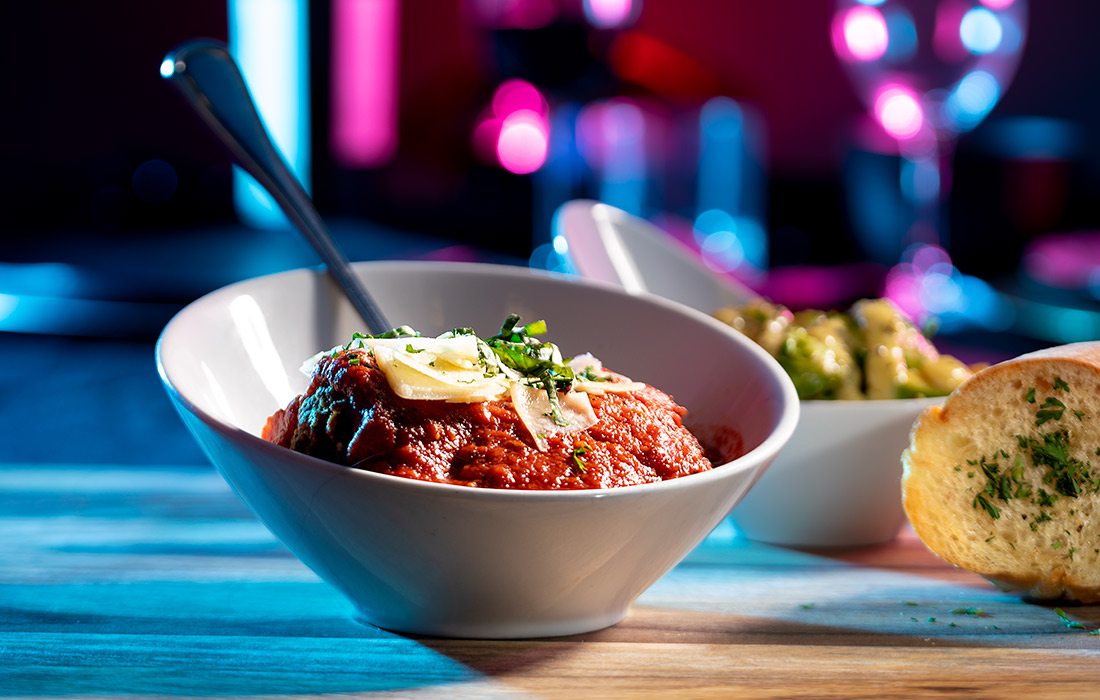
(143, 581)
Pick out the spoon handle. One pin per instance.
(208, 77)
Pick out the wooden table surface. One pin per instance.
(144, 581)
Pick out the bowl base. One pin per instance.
(499, 629)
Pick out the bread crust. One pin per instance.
(1044, 551)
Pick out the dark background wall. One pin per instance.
(84, 107)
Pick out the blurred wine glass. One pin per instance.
(928, 70)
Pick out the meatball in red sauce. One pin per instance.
(351, 416)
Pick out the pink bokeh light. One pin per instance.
(898, 110)
(902, 287)
(514, 130)
(998, 4)
(865, 34)
(523, 142)
(515, 95)
(364, 81)
(606, 14)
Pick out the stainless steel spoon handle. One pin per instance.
(208, 77)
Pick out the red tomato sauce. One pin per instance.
(349, 415)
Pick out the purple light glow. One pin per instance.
(523, 141)
(897, 108)
(903, 288)
(928, 286)
(998, 4)
(1069, 261)
(610, 129)
(516, 14)
(864, 35)
(607, 14)
(364, 81)
(946, 37)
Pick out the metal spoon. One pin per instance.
(208, 77)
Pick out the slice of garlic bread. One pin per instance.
(1003, 479)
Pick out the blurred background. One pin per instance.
(943, 152)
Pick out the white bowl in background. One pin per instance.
(450, 560)
(837, 483)
(609, 245)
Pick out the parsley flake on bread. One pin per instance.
(1003, 479)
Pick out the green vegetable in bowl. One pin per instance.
(871, 352)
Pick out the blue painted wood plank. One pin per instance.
(156, 581)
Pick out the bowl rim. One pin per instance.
(768, 448)
(856, 404)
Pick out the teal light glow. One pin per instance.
(8, 304)
(167, 68)
(728, 228)
(902, 32)
(721, 155)
(270, 41)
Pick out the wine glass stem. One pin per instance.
(926, 182)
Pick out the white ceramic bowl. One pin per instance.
(451, 560)
(838, 482)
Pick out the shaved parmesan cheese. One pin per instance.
(608, 387)
(310, 364)
(428, 375)
(457, 351)
(464, 369)
(585, 361)
(534, 410)
(589, 364)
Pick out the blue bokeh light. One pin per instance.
(902, 32)
(972, 99)
(727, 241)
(981, 31)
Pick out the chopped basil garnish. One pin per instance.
(1050, 409)
(1068, 621)
(578, 452)
(1051, 453)
(518, 349)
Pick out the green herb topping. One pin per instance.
(539, 362)
(1008, 477)
(1068, 621)
(578, 452)
(1050, 409)
(976, 612)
